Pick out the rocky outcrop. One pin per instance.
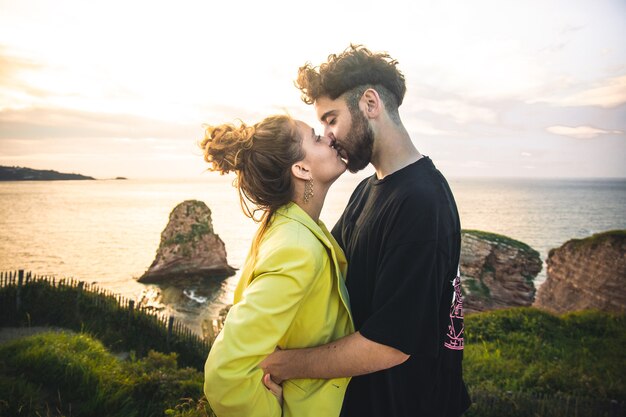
(497, 271)
(586, 274)
(189, 250)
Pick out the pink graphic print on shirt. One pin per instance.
(454, 337)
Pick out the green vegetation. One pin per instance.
(201, 227)
(520, 362)
(545, 360)
(197, 230)
(496, 238)
(597, 238)
(110, 319)
(61, 374)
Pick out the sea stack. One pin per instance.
(496, 271)
(585, 274)
(189, 248)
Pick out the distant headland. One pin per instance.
(29, 174)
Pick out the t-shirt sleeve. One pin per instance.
(405, 302)
(253, 329)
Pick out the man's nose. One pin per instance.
(328, 132)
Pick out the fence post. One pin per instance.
(79, 295)
(18, 294)
(615, 409)
(170, 324)
(131, 311)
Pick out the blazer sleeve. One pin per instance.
(254, 328)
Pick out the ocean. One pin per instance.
(107, 231)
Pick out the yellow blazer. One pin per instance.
(291, 295)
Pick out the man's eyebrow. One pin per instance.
(325, 115)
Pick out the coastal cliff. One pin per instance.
(189, 248)
(586, 273)
(497, 271)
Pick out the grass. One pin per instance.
(540, 355)
(596, 238)
(496, 238)
(87, 310)
(518, 362)
(62, 374)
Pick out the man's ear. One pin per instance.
(300, 170)
(371, 104)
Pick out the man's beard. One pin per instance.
(359, 142)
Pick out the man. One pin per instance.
(401, 235)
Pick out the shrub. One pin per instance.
(61, 374)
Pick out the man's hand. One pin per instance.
(273, 364)
(275, 388)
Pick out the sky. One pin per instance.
(533, 88)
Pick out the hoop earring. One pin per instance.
(308, 190)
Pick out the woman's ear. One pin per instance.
(301, 171)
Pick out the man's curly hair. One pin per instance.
(356, 68)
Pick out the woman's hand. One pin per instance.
(275, 388)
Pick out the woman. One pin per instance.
(291, 293)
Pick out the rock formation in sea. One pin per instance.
(497, 271)
(189, 250)
(586, 273)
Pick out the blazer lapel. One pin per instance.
(340, 264)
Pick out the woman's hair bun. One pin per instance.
(225, 146)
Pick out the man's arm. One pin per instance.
(349, 356)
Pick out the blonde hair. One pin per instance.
(261, 155)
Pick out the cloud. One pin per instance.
(580, 132)
(11, 64)
(48, 123)
(606, 94)
(422, 127)
(13, 67)
(571, 29)
(460, 111)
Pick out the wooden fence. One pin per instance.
(27, 299)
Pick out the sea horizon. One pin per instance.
(108, 232)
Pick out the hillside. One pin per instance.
(29, 174)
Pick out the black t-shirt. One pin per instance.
(402, 239)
